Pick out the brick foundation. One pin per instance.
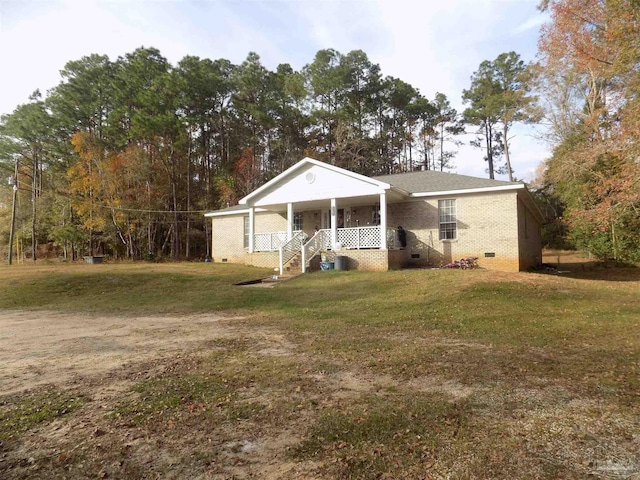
(263, 259)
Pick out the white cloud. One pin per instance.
(532, 23)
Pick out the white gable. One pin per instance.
(311, 180)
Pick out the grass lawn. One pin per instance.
(408, 374)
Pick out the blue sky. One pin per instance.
(433, 45)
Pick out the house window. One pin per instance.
(297, 222)
(447, 211)
(246, 231)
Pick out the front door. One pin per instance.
(326, 219)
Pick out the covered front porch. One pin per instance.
(359, 243)
(314, 207)
(352, 223)
(322, 226)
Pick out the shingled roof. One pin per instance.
(431, 181)
(418, 184)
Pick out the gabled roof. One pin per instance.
(430, 181)
(417, 184)
(304, 163)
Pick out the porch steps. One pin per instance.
(294, 266)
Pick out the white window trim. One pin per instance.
(440, 223)
(245, 231)
(298, 226)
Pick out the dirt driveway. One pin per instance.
(49, 347)
(101, 358)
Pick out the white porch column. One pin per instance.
(334, 223)
(289, 221)
(252, 228)
(383, 221)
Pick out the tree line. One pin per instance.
(124, 156)
(589, 79)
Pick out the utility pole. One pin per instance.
(13, 181)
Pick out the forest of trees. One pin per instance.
(124, 157)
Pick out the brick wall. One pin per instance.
(263, 259)
(497, 223)
(371, 260)
(486, 223)
(227, 239)
(311, 219)
(361, 216)
(271, 222)
(399, 259)
(227, 234)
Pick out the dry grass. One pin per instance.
(409, 374)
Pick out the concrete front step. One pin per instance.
(294, 266)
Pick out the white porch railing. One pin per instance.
(349, 238)
(355, 237)
(290, 249)
(271, 241)
(320, 241)
(360, 237)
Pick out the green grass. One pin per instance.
(31, 410)
(504, 313)
(206, 385)
(164, 398)
(126, 288)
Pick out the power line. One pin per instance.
(92, 203)
(140, 210)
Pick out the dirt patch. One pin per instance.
(39, 348)
(450, 388)
(102, 359)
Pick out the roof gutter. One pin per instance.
(222, 213)
(440, 193)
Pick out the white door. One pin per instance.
(325, 220)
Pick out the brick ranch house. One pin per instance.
(315, 209)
